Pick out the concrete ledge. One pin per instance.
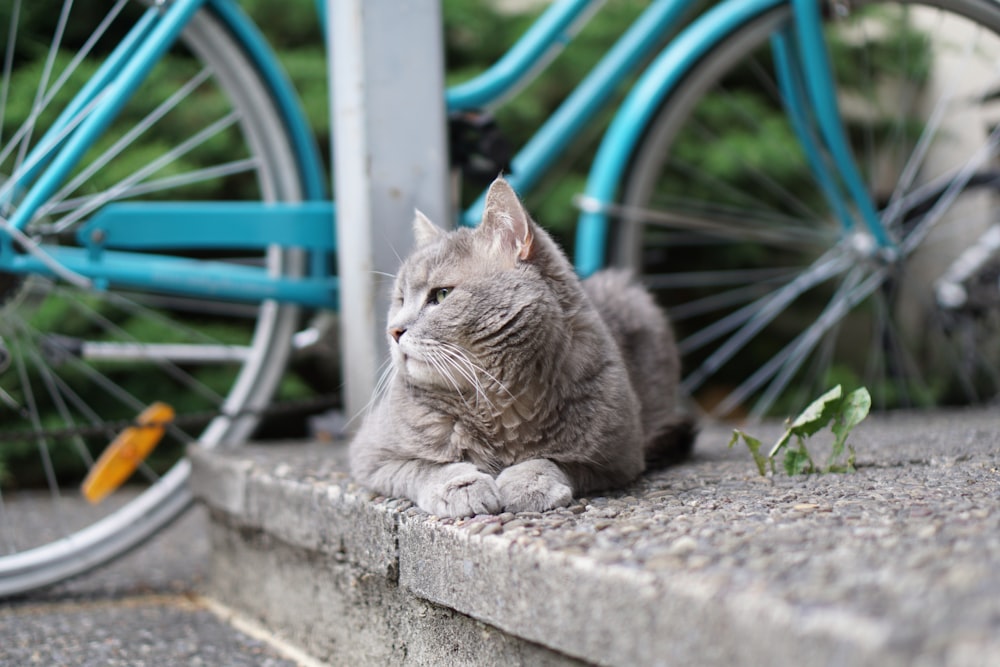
(345, 615)
(705, 563)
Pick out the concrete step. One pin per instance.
(704, 563)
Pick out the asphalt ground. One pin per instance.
(144, 609)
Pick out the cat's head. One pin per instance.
(470, 304)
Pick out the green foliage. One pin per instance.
(901, 51)
(834, 409)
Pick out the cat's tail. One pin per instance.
(673, 444)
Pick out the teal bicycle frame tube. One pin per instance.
(187, 277)
(552, 31)
(588, 98)
(637, 110)
(169, 25)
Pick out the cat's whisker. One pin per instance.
(450, 363)
(441, 366)
(468, 369)
(387, 373)
(477, 367)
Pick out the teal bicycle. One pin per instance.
(809, 187)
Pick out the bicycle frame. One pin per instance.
(110, 248)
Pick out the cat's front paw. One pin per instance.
(467, 493)
(534, 486)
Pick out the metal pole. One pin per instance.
(390, 157)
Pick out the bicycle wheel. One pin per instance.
(77, 364)
(773, 300)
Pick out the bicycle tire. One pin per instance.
(772, 301)
(236, 394)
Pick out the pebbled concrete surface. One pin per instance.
(704, 563)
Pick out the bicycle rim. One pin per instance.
(81, 364)
(772, 299)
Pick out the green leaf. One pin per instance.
(753, 444)
(854, 408)
(812, 419)
(857, 404)
(818, 414)
(782, 441)
(797, 461)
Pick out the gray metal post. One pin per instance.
(390, 156)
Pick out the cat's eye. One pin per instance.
(439, 295)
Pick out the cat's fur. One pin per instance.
(521, 385)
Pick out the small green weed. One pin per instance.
(845, 412)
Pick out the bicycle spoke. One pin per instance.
(60, 389)
(721, 277)
(62, 396)
(44, 80)
(954, 190)
(927, 137)
(148, 187)
(902, 369)
(132, 304)
(40, 442)
(766, 184)
(721, 301)
(44, 148)
(116, 191)
(165, 364)
(876, 374)
(54, 390)
(8, 62)
(783, 367)
(729, 225)
(750, 320)
(126, 140)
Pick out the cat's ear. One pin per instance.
(506, 221)
(425, 231)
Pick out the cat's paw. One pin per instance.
(534, 486)
(466, 493)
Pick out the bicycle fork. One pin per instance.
(805, 77)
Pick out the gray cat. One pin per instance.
(515, 385)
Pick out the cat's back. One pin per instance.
(626, 306)
(643, 334)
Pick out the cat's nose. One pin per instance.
(397, 333)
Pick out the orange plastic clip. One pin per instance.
(126, 452)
